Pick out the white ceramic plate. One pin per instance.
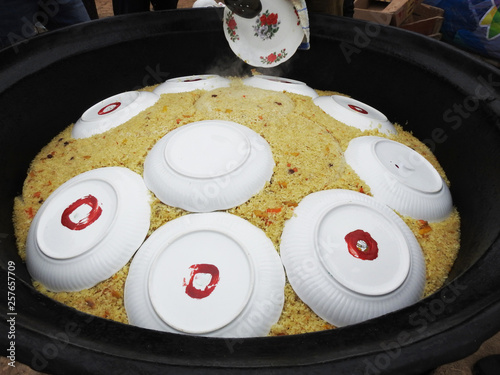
(112, 112)
(211, 274)
(280, 84)
(190, 83)
(208, 165)
(400, 177)
(268, 39)
(355, 113)
(351, 258)
(88, 229)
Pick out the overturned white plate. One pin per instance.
(400, 177)
(280, 84)
(88, 229)
(211, 274)
(351, 258)
(267, 40)
(208, 165)
(112, 112)
(190, 83)
(355, 113)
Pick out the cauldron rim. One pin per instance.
(439, 341)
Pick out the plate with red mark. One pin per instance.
(351, 258)
(280, 84)
(267, 40)
(208, 165)
(355, 113)
(206, 82)
(209, 274)
(112, 112)
(88, 229)
(400, 177)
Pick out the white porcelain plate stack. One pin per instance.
(190, 83)
(112, 112)
(355, 113)
(400, 177)
(351, 258)
(208, 165)
(88, 229)
(280, 84)
(210, 274)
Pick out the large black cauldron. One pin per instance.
(446, 98)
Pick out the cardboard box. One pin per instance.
(425, 20)
(393, 13)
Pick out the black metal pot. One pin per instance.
(446, 98)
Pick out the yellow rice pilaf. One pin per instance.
(307, 146)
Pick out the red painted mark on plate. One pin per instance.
(203, 280)
(109, 108)
(358, 109)
(88, 219)
(361, 245)
(193, 80)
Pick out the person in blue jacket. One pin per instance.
(19, 18)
